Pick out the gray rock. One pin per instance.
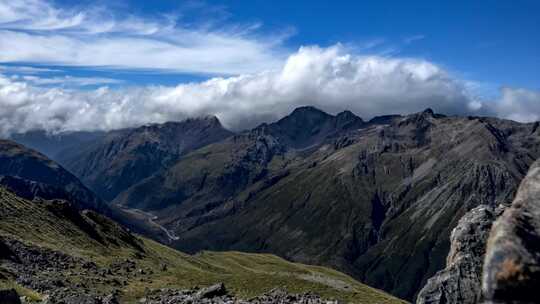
(512, 263)
(216, 290)
(460, 281)
(9, 296)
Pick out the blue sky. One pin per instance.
(495, 42)
(103, 64)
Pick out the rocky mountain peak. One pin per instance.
(207, 120)
(309, 126)
(307, 116)
(346, 118)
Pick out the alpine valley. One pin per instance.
(376, 200)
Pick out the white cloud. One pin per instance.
(38, 32)
(519, 104)
(328, 78)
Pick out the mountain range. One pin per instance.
(57, 246)
(375, 199)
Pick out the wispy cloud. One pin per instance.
(26, 69)
(36, 31)
(413, 38)
(70, 81)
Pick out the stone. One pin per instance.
(512, 264)
(213, 291)
(460, 281)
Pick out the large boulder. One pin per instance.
(460, 281)
(512, 263)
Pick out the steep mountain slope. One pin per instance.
(19, 161)
(51, 251)
(377, 199)
(122, 158)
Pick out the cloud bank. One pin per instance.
(329, 78)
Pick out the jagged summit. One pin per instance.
(205, 121)
(308, 126)
(305, 116)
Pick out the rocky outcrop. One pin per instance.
(460, 281)
(512, 264)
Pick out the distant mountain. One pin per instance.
(21, 166)
(376, 199)
(118, 160)
(309, 126)
(52, 144)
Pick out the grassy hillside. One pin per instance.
(89, 237)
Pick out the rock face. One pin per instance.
(512, 264)
(460, 281)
